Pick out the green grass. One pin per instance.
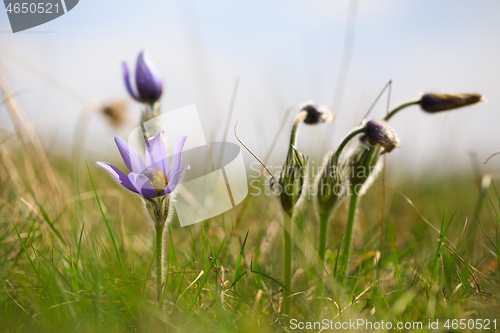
(82, 260)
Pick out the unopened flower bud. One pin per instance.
(147, 79)
(317, 114)
(441, 102)
(291, 180)
(381, 133)
(330, 185)
(364, 161)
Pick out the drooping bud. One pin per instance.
(292, 178)
(147, 79)
(381, 133)
(317, 114)
(379, 138)
(442, 102)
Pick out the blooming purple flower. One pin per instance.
(154, 178)
(147, 80)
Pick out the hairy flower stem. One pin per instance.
(324, 217)
(353, 203)
(342, 145)
(287, 219)
(160, 260)
(323, 232)
(150, 111)
(399, 108)
(295, 129)
(287, 240)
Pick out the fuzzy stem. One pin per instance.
(353, 203)
(400, 107)
(323, 232)
(287, 223)
(160, 262)
(287, 280)
(336, 156)
(295, 129)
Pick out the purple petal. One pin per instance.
(148, 79)
(118, 175)
(176, 160)
(132, 160)
(126, 77)
(156, 151)
(174, 181)
(143, 185)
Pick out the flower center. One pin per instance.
(158, 179)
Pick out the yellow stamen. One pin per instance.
(158, 179)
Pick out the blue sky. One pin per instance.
(285, 53)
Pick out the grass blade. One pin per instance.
(239, 258)
(107, 224)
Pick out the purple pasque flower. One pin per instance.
(147, 80)
(151, 179)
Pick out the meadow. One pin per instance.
(76, 255)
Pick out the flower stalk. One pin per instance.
(287, 274)
(330, 183)
(380, 138)
(160, 260)
(328, 201)
(344, 259)
(154, 181)
(294, 166)
(401, 107)
(290, 185)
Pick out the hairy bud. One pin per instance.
(442, 102)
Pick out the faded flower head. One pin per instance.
(116, 113)
(442, 102)
(152, 179)
(317, 114)
(147, 80)
(381, 133)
